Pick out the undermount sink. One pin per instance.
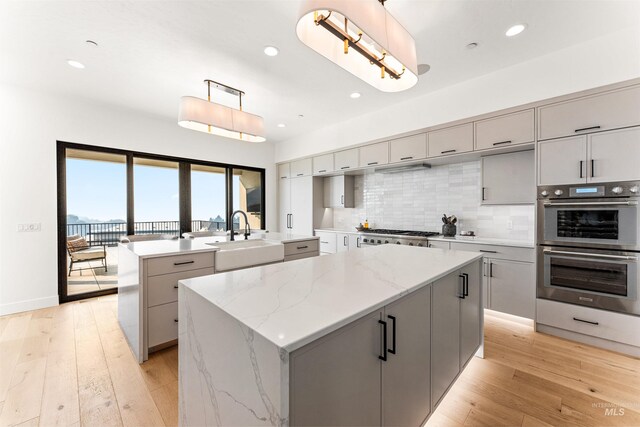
(246, 253)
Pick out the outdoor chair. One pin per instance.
(80, 251)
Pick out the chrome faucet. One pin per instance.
(247, 227)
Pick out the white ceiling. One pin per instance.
(152, 52)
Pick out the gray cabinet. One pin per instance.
(509, 179)
(445, 335)
(614, 156)
(452, 140)
(347, 159)
(470, 313)
(323, 164)
(405, 375)
(506, 130)
(610, 110)
(301, 249)
(301, 168)
(511, 287)
(337, 379)
(295, 205)
(284, 170)
(284, 204)
(408, 148)
(339, 192)
(562, 161)
(374, 154)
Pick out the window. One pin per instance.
(208, 198)
(247, 196)
(156, 196)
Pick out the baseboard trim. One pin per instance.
(28, 305)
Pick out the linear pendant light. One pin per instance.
(206, 116)
(363, 38)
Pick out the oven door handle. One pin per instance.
(590, 255)
(627, 203)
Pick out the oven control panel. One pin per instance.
(585, 191)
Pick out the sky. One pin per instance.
(97, 190)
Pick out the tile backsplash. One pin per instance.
(416, 200)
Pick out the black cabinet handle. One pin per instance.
(183, 263)
(501, 143)
(345, 167)
(581, 161)
(175, 287)
(358, 242)
(488, 252)
(344, 241)
(589, 128)
(447, 151)
(372, 163)
(302, 247)
(406, 158)
(465, 284)
(483, 193)
(175, 320)
(342, 199)
(586, 321)
(384, 340)
(393, 331)
(300, 174)
(291, 221)
(321, 171)
(490, 269)
(461, 296)
(593, 167)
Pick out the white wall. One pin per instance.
(597, 62)
(30, 125)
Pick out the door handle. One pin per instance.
(183, 263)
(593, 167)
(406, 158)
(490, 269)
(358, 242)
(581, 162)
(291, 221)
(465, 284)
(393, 334)
(626, 203)
(589, 128)
(586, 321)
(345, 167)
(372, 163)
(342, 199)
(344, 241)
(383, 357)
(175, 287)
(482, 193)
(447, 151)
(591, 255)
(302, 247)
(488, 252)
(461, 296)
(501, 143)
(322, 171)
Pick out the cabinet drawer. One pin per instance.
(510, 129)
(328, 242)
(347, 159)
(611, 326)
(164, 289)
(497, 251)
(162, 323)
(301, 168)
(408, 148)
(323, 164)
(174, 264)
(453, 140)
(297, 248)
(438, 244)
(374, 154)
(609, 110)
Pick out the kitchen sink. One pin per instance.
(246, 253)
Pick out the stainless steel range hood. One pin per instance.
(403, 168)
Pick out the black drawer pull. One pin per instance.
(302, 247)
(488, 252)
(393, 331)
(589, 128)
(586, 321)
(323, 170)
(300, 174)
(175, 320)
(345, 167)
(372, 163)
(384, 340)
(406, 158)
(447, 151)
(501, 143)
(183, 263)
(175, 287)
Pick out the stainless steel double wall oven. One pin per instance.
(589, 245)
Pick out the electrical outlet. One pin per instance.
(29, 228)
(509, 225)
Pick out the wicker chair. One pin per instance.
(80, 251)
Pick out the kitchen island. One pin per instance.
(370, 337)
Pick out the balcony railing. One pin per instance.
(98, 234)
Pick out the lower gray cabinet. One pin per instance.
(445, 334)
(512, 287)
(470, 313)
(406, 373)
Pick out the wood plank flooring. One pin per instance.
(71, 366)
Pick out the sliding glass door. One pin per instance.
(208, 198)
(156, 192)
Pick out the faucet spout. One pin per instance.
(247, 227)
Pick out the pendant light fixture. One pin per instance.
(363, 38)
(216, 119)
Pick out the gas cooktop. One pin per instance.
(400, 232)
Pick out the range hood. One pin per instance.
(403, 168)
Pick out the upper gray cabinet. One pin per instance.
(338, 192)
(374, 154)
(509, 179)
(284, 170)
(408, 148)
(609, 110)
(323, 164)
(347, 159)
(452, 140)
(300, 168)
(506, 130)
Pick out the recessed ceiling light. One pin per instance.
(355, 95)
(423, 68)
(281, 125)
(472, 45)
(271, 51)
(515, 30)
(75, 64)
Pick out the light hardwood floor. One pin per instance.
(70, 365)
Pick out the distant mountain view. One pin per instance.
(75, 219)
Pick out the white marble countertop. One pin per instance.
(485, 241)
(294, 303)
(159, 248)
